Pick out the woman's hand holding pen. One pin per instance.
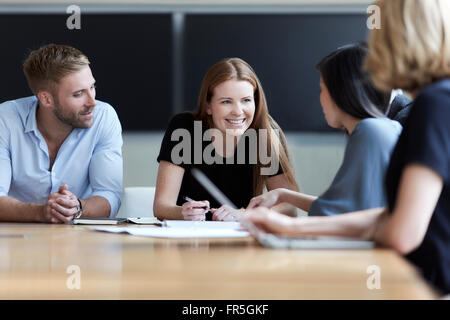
(195, 210)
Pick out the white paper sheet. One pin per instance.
(165, 232)
(203, 224)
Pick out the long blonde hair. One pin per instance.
(238, 69)
(412, 48)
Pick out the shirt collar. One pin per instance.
(30, 120)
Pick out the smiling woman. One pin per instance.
(233, 106)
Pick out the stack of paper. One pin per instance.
(184, 229)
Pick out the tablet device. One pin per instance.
(281, 242)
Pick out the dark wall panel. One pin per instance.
(130, 54)
(283, 50)
(132, 57)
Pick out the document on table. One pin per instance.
(184, 229)
(202, 224)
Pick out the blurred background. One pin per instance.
(149, 57)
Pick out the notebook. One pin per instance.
(275, 241)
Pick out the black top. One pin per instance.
(234, 180)
(426, 140)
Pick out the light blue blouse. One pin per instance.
(359, 182)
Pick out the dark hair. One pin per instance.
(349, 84)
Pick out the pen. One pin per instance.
(208, 215)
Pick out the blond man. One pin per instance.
(60, 149)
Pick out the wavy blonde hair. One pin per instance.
(238, 69)
(412, 48)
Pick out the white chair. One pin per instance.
(137, 202)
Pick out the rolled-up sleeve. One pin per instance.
(5, 160)
(106, 166)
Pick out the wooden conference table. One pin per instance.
(36, 260)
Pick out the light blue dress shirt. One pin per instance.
(359, 182)
(89, 161)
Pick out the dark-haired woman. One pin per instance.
(349, 101)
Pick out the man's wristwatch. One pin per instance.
(80, 210)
